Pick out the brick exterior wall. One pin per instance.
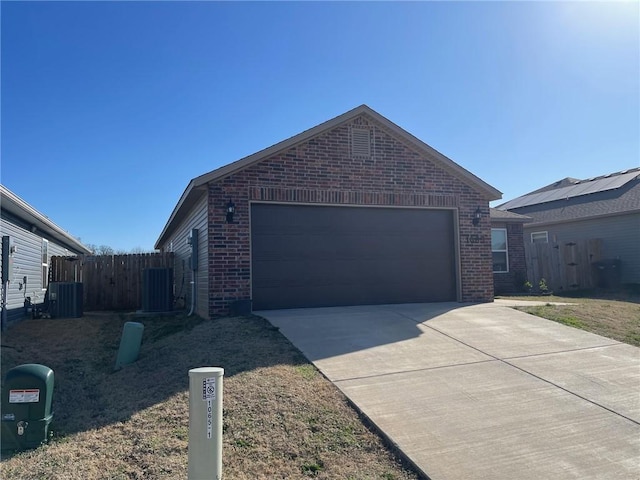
(322, 171)
(513, 280)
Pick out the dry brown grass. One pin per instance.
(611, 315)
(282, 418)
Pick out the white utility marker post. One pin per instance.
(205, 423)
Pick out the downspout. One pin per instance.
(3, 312)
(193, 241)
(193, 293)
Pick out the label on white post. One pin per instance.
(209, 388)
(209, 395)
(209, 419)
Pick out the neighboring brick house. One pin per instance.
(508, 251)
(353, 211)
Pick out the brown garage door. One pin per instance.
(317, 256)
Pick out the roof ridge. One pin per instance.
(390, 127)
(609, 175)
(579, 189)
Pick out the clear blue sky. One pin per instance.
(109, 109)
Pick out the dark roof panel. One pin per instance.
(583, 187)
(623, 200)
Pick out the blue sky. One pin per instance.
(109, 109)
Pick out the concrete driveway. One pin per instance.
(481, 391)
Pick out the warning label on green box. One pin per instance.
(31, 395)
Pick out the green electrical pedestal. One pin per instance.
(26, 407)
(129, 344)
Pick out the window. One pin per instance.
(499, 250)
(45, 263)
(539, 237)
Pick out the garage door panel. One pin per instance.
(342, 247)
(314, 273)
(305, 256)
(327, 296)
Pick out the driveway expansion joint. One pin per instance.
(595, 347)
(413, 370)
(536, 376)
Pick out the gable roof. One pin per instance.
(197, 186)
(611, 194)
(565, 182)
(17, 207)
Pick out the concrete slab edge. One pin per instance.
(369, 424)
(393, 447)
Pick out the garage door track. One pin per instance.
(481, 391)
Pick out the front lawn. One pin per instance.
(612, 315)
(282, 418)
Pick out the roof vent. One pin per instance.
(360, 142)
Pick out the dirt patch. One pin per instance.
(282, 418)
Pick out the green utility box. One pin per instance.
(26, 406)
(129, 344)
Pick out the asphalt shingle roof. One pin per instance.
(506, 216)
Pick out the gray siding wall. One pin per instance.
(27, 262)
(620, 235)
(177, 243)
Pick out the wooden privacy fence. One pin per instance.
(564, 266)
(110, 282)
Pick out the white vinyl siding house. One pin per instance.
(36, 239)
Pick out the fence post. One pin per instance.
(205, 423)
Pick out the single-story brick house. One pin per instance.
(31, 239)
(353, 211)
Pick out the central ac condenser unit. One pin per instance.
(157, 290)
(65, 299)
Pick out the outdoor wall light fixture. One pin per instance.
(476, 217)
(230, 209)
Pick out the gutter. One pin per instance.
(21, 209)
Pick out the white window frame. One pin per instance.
(45, 263)
(537, 237)
(505, 251)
